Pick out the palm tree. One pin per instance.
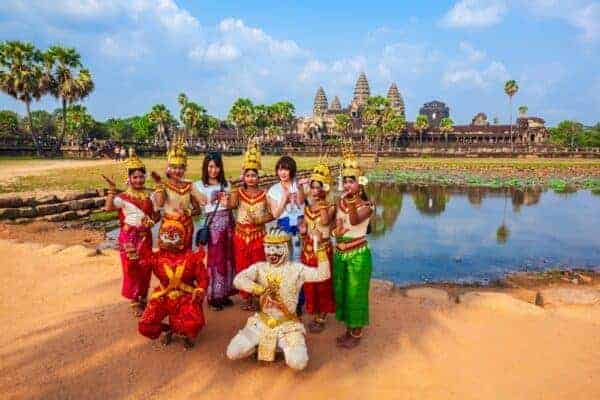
(511, 88)
(162, 117)
(377, 114)
(263, 117)
(503, 232)
(182, 99)
(23, 78)
(523, 111)
(446, 126)
(68, 84)
(194, 118)
(342, 124)
(241, 114)
(421, 125)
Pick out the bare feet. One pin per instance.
(350, 343)
(316, 326)
(342, 337)
(188, 343)
(138, 308)
(167, 338)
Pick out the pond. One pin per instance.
(433, 233)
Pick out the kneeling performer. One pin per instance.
(278, 282)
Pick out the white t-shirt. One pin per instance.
(292, 211)
(210, 192)
(133, 214)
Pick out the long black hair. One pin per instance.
(218, 160)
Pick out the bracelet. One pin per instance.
(322, 255)
(257, 289)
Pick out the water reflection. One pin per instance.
(431, 232)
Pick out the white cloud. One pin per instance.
(221, 52)
(468, 76)
(473, 55)
(236, 31)
(475, 14)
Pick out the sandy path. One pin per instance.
(10, 171)
(66, 333)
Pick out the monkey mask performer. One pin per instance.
(183, 281)
(177, 196)
(278, 282)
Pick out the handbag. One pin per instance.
(203, 234)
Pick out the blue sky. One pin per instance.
(143, 52)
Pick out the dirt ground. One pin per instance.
(67, 334)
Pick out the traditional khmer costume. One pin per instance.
(178, 197)
(352, 263)
(248, 236)
(319, 295)
(135, 210)
(182, 276)
(278, 283)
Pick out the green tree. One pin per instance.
(282, 114)
(523, 111)
(342, 124)
(43, 123)
(381, 119)
(421, 125)
(9, 123)
(511, 88)
(70, 82)
(162, 118)
(79, 123)
(22, 77)
(195, 119)
(143, 128)
(446, 126)
(263, 117)
(213, 124)
(119, 129)
(241, 114)
(567, 132)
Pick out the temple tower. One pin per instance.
(320, 103)
(361, 90)
(336, 106)
(395, 99)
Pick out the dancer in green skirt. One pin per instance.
(352, 259)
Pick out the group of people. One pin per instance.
(237, 255)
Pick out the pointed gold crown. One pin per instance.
(133, 162)
(176, 154)
(276, 236)
(349, 161)
(252, 156)
(321, 173)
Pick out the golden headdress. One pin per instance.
(176, 154)
(133, 162)
(277, 236)
(350, 166)
(252, 156)
(321, 173)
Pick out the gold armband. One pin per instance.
(257, 289)
(199, 291)
(322, 255)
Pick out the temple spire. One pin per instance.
(361, 90)
(395, 99)
(336, 106)
(320, 103)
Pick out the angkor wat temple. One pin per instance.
(320, 125)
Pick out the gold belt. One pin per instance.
(351, 244)
(273, 322)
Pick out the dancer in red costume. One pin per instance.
(315, 230)
(183, 282)
(253, 213)
(136, 211)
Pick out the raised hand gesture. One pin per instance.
(111, 183)
(156, 177)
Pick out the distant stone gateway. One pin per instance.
(320, 125)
